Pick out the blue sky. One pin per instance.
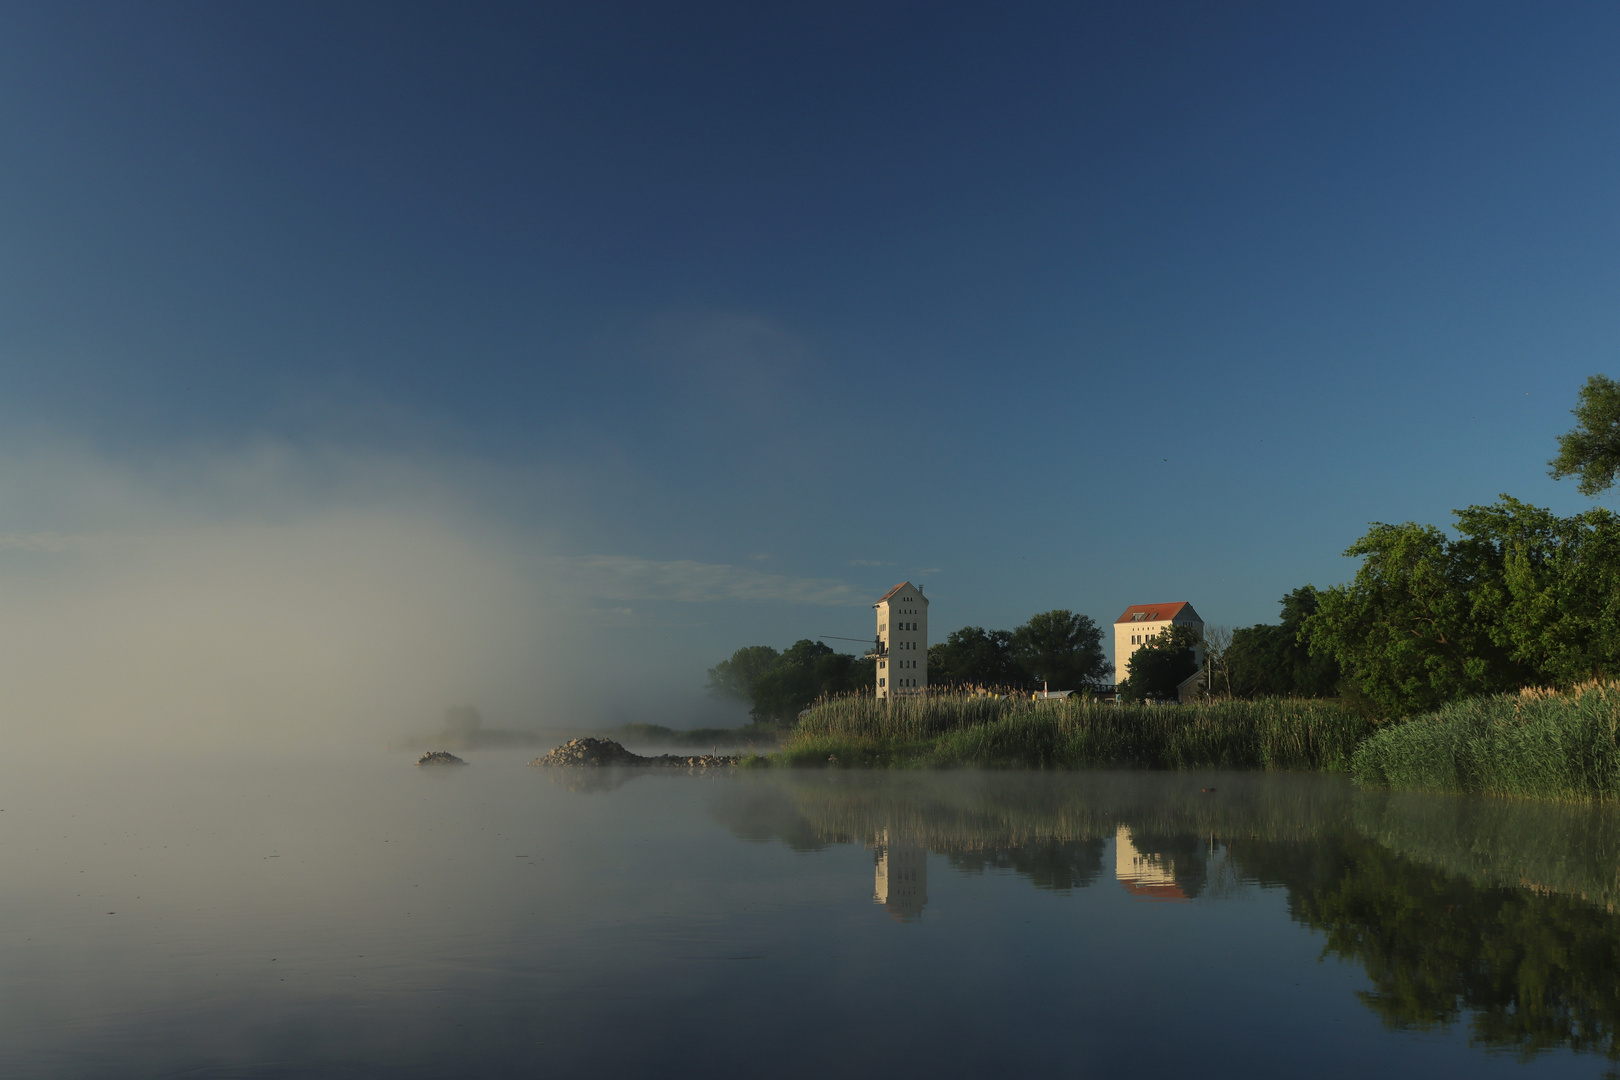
(715, 320)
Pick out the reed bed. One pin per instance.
(981, 730)
(1534, 744)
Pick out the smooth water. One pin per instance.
(301, 917)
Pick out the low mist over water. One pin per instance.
(316, 915)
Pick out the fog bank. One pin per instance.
(268, 596)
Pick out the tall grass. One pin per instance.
(1533, 744)
(967, 729)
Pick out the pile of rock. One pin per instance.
(439, 757)
(589, 751)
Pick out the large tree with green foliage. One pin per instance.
(974, 656)
(778, 685)
(736, 677)
(1164, 663)
(1545, 588)
(1405, 631)
(1520, 597)
(1061, 648)
(1271, 661)
(1592, 450)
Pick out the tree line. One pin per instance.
(1517, 597)
(1059, 648)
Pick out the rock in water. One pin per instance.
(589, 751)
(439, 757)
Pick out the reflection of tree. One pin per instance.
(1047, 862)
(1419, 891)
(1529, 971)
(1050, 828)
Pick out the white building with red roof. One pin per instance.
(1142, 623)
(902, 641)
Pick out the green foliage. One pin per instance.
(1163, 664)
(963, 729)
(1560, 746)
(1592, 450)
(1522, 597)
(974, 656)
(1530, 972)
(1060, 648)
(1404, 630)
(779, 685)
(1272, 661)
(1546, 589)
(736, 677)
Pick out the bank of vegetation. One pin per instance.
(1537, 743)
(1475, 660)
(1541, 744)
(966, 728)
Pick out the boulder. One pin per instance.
(439, 757)
(590, 751)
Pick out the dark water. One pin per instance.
(215, 918)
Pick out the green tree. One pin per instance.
(974, 656)
(806, 671)
(1405, 631)
(1547, 589)
(1061, 648)
(1592, 450)
(736, 677)
(1272, 661)
(1157, 668)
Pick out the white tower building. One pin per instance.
(902, 641)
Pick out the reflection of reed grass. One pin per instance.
(1556, 847)
(964, 810)
(1538, 744)
(955, 729)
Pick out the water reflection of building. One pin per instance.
(1145, 877)
(902, 877)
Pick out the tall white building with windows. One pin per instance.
(902, 641)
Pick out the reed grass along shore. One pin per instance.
(1536, 743)
(968, 729)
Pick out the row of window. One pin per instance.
(900, 682)
(882, 664)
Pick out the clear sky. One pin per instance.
(635, 333)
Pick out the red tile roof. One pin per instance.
(1155, 612)
(1155, 893)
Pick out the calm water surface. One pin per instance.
(300, 917)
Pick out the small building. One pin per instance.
(902, 641)
(1142, 623)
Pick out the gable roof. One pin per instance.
(897, 588)
(1157, 612)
